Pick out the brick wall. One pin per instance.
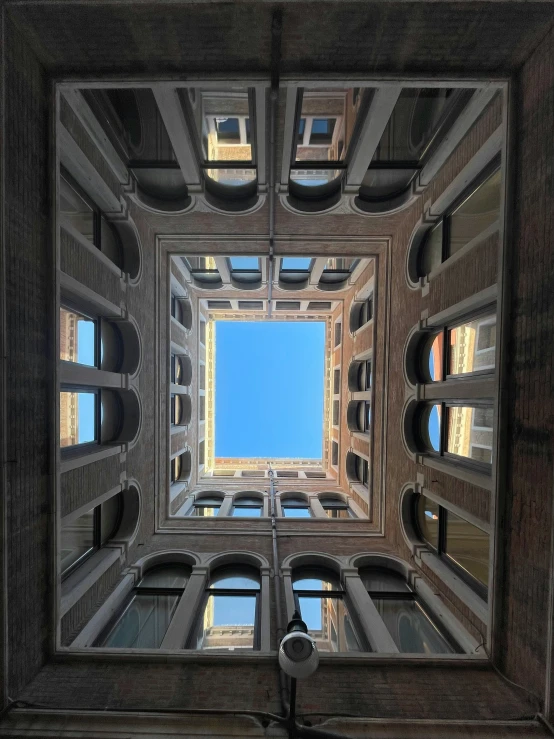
(79, 263)
(83, 484)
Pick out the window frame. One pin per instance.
(441, 550)
(97, 216)
(444, 219)
(70, 307)
(70, 449)
(443, 453)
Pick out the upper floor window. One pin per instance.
(359, 376)
(230, 617)
(463, 546)
(336, 382)
(250, 507)
(464, 348)
(78, 210)
(84, 535)
(78, 338)
(320, 600)
(411, 626)
(181, 311)
(359, 416)
(470, 215)
(459, 429)
(80, 412)
(361, 313)
(336, 508)
(296, 508)
(206, 507)
(147, 613)
(338, 333)
(181, 467)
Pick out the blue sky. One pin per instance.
(269, 389)
(86, 402)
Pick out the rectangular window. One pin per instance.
(203, 332)
(464, 438)
(202, 408)
(206, 510)
(78, 338)
(296, 511)
(336, 382)
(144, 623)
(328, 623)
(228, 623)
(410, 627)
(78, 539)
(202, 380)
(249, 511)
(201, 453)
(78, 417)
(336, 412)
(477, 212)
(472, 346)
(468, 547)
(338, 333)
(77, 211)
(334, 453)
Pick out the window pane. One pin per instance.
(144, 623)
(236, 578)
(77, 418)
(168, 576)
(338, 512)
(411, 629)
(329, 624)
(110, 512)
(428, 520)
(313, 578)
(228, 623)
(468, 546)
(431, 251)
(296, 512)
(480, 210)
(472, 346)
(296, 263)
(435, 358)
(249, 511)
(467, 439)
(76, 211)
(222, 119)
(245, 263)
(326, 124)
(430, 427)
(77, 338)
(378, 580)
(314, 177)
(207, 511)
(77, 539)
(109, 242)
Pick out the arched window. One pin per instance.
(147, 613)
(412, 627)
(80, 213)
(247, 507)
(462, 545)
(181, 409)
(470, 215)
(359, 416)
(181, 310)
(296, 508)
(361, 313)
(181, 369)
(97, 416)
(84, 535)
(466, 347)
(181, 467)
(336, 508)
(206, 507)
(230, 617)
(460, 431)
(320, 599)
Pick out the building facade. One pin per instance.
(380, 168)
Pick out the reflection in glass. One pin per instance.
(326, 124)
(77, 338)
(410, 627)
(479, 211)
(342, 264)
(228, 623)
(336, 509)
(433, 427)
(314, 177)
(78, 424)
(472, 346)
(245, 263)
(249, 507)
(329, 623)
(413, 123)
(465, 438)
(290, 511)
(428, 520)
(296, 263)
(144, 623)
(232, 176)
(208, 511)
(76, 211)
(77, 539)
(468, 546)
(435, 358)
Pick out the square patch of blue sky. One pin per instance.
(269, 389)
